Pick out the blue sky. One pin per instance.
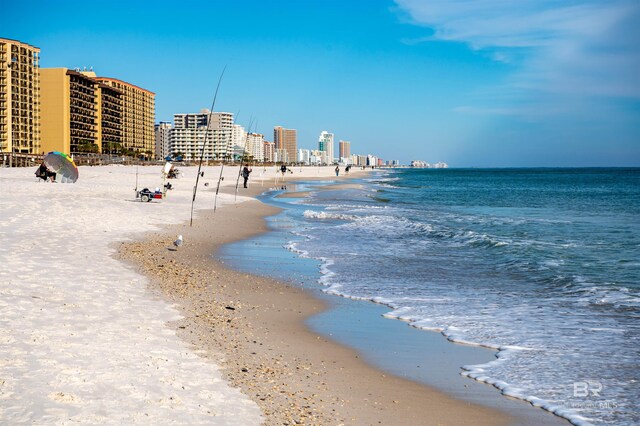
(478, 83)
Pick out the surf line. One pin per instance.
(204, 144)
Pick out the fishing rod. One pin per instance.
(204, 144)
(244, 152)
(215, 200)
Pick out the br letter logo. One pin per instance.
(584, 389)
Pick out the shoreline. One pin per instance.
(91, 339)
(386, 342)
(88, 341)
(256, 325)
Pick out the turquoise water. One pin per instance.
(542, 265)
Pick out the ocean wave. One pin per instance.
(311, 214)
(357, 207)
(401, 227)
(401, 309)
(381, 179)
(292, 246)
(481, 372)
(616, 297)
(390, 222)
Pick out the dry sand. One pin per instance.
(82, 340)
(253, 327)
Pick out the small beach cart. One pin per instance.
(146, 195)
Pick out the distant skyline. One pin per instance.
(483, 83)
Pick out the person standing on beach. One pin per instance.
(245, 174)
(337, 170)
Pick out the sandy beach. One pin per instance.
(105, 322)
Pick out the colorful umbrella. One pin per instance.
(66, 170)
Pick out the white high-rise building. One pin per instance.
(325, 143)
(281, 156)
(304, 156)
(317, 157)
(190, 133)
(238, 136)
(162, 131)
(255, 146)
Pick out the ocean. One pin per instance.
(542, 265)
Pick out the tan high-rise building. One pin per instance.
(69, 111)
(345, 149)
(79, 113)
(269, 151)
(19, 97)
(138, 115)
(286, 140)
(109, 120)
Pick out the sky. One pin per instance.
(474, 83)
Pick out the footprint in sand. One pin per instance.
(65, 398)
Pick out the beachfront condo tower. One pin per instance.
(269, 151)
(238, 137)
(83, 113)
(19, 97)
(345, 150)
(286, 141)
(138, 115)
(162, 131)
(69, 111)
(325, 144)
(255, 146)
(191, 131)
(109, 102)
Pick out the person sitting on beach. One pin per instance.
(44, 173)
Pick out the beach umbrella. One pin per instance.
(66, 170)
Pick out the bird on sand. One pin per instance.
(177, 243)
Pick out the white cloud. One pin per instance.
(580, 47)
